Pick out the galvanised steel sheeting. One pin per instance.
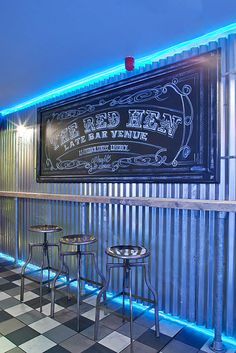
(7, 226)
(182, 242)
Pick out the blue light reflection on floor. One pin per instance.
(139, 62)
(201, 329)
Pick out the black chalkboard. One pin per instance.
(156, 126)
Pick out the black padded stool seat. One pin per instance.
(77, 240)
(130, 256)
(43, 229)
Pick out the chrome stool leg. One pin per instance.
(23, 274)
(62, 266)
(127, 282)
(44, 246)
(97, 269)
(48, 261)
(22, 287)
(123, 295)
(129, 272)
(100, 274)
(154, 293)
(144, 265)
(41, 283)
(99, 296)
(53, 289)
(127, 254)
(46, 254)
(77, 240)
(78, 286)
(67, 271)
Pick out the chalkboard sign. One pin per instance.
(156, 126)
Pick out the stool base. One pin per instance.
(63, 265)
(127, 281)
(41, 281)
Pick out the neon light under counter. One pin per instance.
(201, 329)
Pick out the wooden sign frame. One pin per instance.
(157, 126)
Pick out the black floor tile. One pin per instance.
(8, 303)
(98, 348)
(119, 312)
(147, 319)
(192, 337)
(65, 302)
(22, 335)
(84, 323)
(112, 321)
(37, 290)
(34, 303)
(58, 349)
(6, 274)
(3, 281)
(13, 277)
(5, 316)
(179, 347)
(4, 287)
(151, 340)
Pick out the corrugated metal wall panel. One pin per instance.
(182, 242)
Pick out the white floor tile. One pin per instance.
(115, 341)
(91, 300)
(46, 309)
(18, 282)
(91, 314)
(27, 296)
(169, 328)
(44, 325)
(18, 309)
(17, 270)
(38, 344)
(4, 296)
(6, 345)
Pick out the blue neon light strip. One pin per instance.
(139, 306)
(116, 70)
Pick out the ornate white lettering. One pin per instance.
(101, 121)
(73, 132)
(150, 120)
(135, 118)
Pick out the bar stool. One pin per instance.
(78, 240)
(128, 254)
(44, 229)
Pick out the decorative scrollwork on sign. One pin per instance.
(73, 113)
(158, 159)
(150, 125)
(98, 164)
(138, 97)
(72, 164)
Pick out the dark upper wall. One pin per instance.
(48, 43)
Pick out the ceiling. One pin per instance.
(45, 44)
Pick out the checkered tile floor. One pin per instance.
(24, 329)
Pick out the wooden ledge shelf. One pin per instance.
(187, 204)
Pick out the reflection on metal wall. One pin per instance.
(182, 242)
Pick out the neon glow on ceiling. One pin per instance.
(116, 70)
